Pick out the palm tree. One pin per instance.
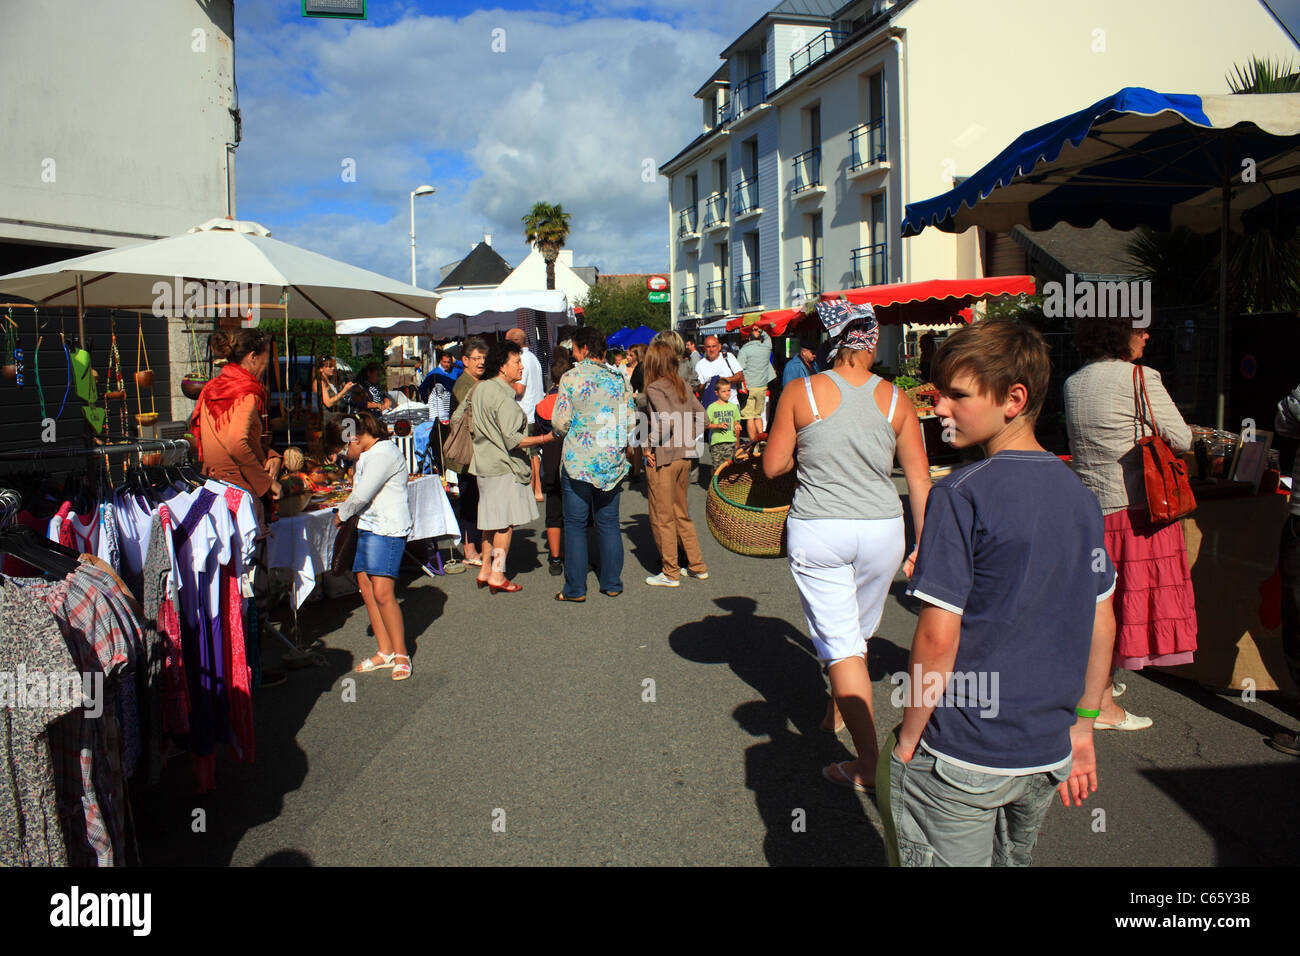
(546, 227)
(1263, 272)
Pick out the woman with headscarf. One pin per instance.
(845, 531)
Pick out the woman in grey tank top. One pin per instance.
(845, 531)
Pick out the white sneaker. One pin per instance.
(702, 576)
(660, 580)
(1130, 722)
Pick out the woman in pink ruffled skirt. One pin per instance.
(1155, 609)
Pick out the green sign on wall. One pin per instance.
(657, 297)
(335, 9)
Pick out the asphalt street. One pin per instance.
(662, 727)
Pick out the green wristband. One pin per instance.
(1087, 713)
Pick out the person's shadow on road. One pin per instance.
(776, 660)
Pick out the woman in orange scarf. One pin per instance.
(227, 420)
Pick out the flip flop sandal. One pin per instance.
(842, 779)
(560, 597)
(474, 564)
(368, 665)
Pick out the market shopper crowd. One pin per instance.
(1050, 577)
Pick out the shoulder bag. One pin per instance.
(458, 450)
(1169, 493)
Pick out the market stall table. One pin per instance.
(1232, 550)
(303, 544)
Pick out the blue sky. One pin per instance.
(583, 96)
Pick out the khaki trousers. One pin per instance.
(670, 520)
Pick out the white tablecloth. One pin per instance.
(304, 544)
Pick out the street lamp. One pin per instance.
(422, 191)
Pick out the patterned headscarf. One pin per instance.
(861, 333)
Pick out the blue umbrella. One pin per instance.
(615, 339)
(1142, 158)
(642, 335)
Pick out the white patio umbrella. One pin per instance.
(221, 251)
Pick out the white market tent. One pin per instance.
(480, 311)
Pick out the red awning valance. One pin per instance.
(935, 301)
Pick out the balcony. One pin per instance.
(715, 297)
(688, 302)
(747, 292)
(715, 212)
(808, 173)
(808, 276)
(748, 95)
(822, 44)
(688, 223)
(867, 148)
(721, 114)
(747, 198)
(871, 265)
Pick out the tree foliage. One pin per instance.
(547, 227)
(609, 307)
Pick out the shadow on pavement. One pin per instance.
(1247, 809)
(776, 660)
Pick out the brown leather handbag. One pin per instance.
(1169, 493)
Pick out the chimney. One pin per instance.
(487, 237)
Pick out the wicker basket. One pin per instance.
(746, 510)
(291, 505)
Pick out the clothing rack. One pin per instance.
(104, 451)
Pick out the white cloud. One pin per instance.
(569, 114)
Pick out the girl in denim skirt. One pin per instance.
(379, 497)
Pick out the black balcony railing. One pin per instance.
(715, 210)
(871, 265)
(752, 92)
(747, 291)
(722, 114)
(687, 304)
(808, 169)
(808, 275)
(868, 144)
(715, 296)
(688, 221)
(821, 45)
(746, 196)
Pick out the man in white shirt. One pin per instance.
(719, 363)
(529, 391)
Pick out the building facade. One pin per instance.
(827, 119)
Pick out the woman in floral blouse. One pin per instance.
(595, 413)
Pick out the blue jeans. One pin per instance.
(581, 498)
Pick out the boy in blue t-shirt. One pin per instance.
(1013, 646)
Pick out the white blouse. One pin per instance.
(379, 492)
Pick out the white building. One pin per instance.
(827, 120)
(121, 122)
(531, 274)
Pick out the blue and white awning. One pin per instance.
(1138, 158)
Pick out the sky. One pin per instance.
(561, 101)
(584, 102)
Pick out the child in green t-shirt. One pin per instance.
(724, 424)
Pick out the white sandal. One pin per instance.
(402, 671)
(368, 665)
